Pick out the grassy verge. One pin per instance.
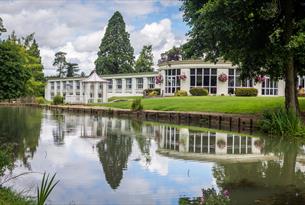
(220, 104)
(8, 197)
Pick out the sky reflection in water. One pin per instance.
(101, 160)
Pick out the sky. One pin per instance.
(77, 26)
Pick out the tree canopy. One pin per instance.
(72, 69)
(2, 28)
(261, 37)
(115, 53)
(145, 61)
(61, 63)
(14, 74)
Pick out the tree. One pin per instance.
(145, 61)
(35, 85)
(61, 63)
(14, 74)
(83, 74)
(261, 37)
(72, 69)
(115, 52)
(174, 54)
(2, 29)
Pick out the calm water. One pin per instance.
(101, 160)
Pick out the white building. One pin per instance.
(174, 75)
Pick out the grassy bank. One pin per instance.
(220, 104)
(8, 197)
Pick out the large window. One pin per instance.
(139, 83)
(269, 87)
(119, 85)
(128, 84)
(52, 85)
(204, 77)
(58, 85)
(110, 85)
(172, 81)
(151, 82)
(301, 81)
(235, 82)
(77, 85)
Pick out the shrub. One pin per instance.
(40, 100)
(152, 92)
(246, 92)
(281, 122)
(180, 93)
(199, 92)
(57, 100)
(136, 105)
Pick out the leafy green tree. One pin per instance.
(14, 74)
(35, 86)
(115, 52)
(174, 54)
(61, 63)
(253, 35)
(2, 28)
(72, 69)
(145, 61)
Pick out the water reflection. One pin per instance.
(102, 160)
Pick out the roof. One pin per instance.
(129, 74)
(94, 77)
(182, 62)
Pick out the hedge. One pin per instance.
(57, 100)
(155, 91)
(246, 92)
(180, 93)
(199, 92)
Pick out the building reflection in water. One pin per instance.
(186, 140)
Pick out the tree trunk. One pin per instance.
(291, 93)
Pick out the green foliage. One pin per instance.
(8, 197)
(40, 100)
(72, 69)
(181, 93)
(199, 92)
(6, 158)
(246, 92)
(156, 91)
(46, 187)
(136, 105)
(115, 52)
(209, 197)
(260, 34)
(61, 63)
(58, 100)
(14, 73)
(174, 54)
(152, 94)
(145, 61)
(281, 122)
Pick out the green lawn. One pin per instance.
(221, 104)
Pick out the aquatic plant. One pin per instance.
(46, 187)
(282, 122)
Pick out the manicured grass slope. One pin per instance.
(221, 104)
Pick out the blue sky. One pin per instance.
(77, 26)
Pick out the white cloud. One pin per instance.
(159, 34)
(77, 27)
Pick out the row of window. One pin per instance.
(65, 84)
(128, 84)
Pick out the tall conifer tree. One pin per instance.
(145, 61)
(115, 52)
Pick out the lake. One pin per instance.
(102, 160)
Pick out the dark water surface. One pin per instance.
(101, 160)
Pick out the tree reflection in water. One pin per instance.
(20, 127)
(113, 152)
(265, 182)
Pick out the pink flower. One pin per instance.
(223, 77)
(226, 193)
